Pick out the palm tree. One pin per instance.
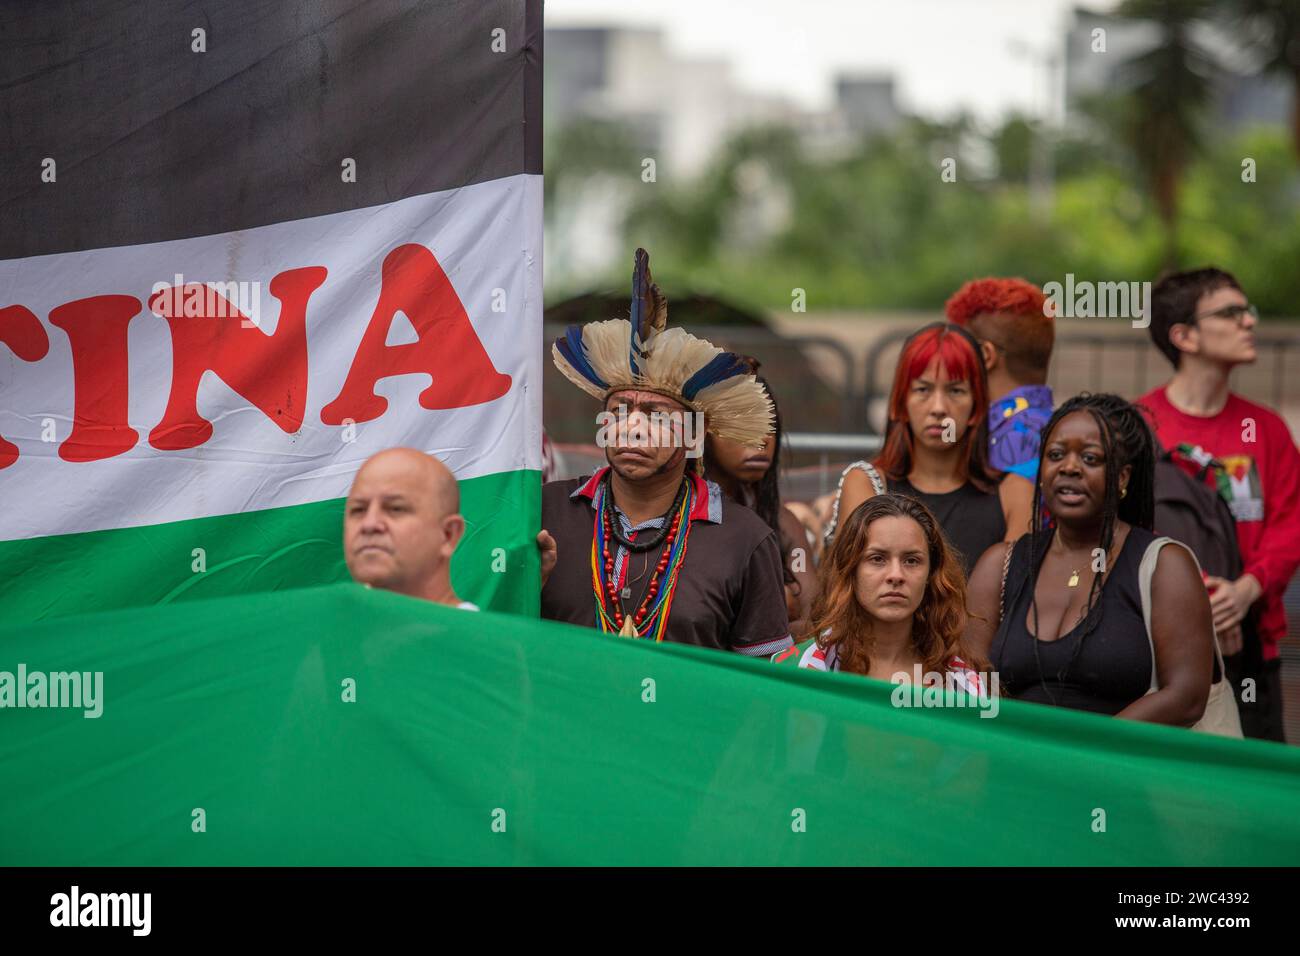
(1170, 86)
(1272, 28)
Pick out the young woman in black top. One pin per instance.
(1069, 628)
(936, 446)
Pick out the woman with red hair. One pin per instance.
(936, 446)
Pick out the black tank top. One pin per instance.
(971, 519)
(1112, 669)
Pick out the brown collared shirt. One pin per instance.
(730, 590)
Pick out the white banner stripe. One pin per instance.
(487, 238)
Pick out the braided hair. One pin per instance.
(1126, 439)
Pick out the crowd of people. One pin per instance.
(1067, 551)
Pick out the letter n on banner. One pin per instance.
(268, 370)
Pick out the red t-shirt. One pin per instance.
(1261, 486)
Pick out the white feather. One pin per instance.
(737, 409)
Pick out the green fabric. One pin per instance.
(792, 657)
(235, 706)
(263, 551)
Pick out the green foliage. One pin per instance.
(877, 227)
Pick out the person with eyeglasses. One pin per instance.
(1202, 322)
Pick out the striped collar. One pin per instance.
(708, 496)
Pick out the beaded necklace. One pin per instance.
(651, 618)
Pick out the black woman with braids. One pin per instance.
(647, 547)
(1061, 614)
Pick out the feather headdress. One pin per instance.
(644, 354)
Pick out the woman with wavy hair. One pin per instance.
(936, 446)
(893, 596)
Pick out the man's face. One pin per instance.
(647, 445)
(1219, 338)
(397, 533)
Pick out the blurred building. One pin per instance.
(683, 109)
(866, 104)
(680, 111)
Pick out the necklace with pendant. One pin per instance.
(1074, 576)
(650, 619)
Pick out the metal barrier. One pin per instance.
(821, 390)
(786, 364)
(829, 442)
(813, 480)
(1275, 349)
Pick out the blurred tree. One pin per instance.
(1012, 142)
(693, 217)
(1250, 228)
(874, 225)
(1272, 29)
(583, 147)
(1103, 138)
(1170, 88)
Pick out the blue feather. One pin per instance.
(722, 367)
(575, 353)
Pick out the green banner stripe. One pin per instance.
(267, 550)
(494, 739)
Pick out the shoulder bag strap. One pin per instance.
(1221, 716)
(1002, 593)
(1146, 572)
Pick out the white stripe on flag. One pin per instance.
(487, 239)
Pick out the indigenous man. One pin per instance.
(646, 547)
(401, 524)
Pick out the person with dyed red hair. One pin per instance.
(935, 448)
(1012, 321)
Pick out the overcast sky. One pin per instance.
(944, 54)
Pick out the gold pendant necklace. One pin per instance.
(1074, 580)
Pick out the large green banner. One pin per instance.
(336, 725)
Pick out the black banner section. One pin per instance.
(138, 121)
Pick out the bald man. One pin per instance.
(401, 525)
